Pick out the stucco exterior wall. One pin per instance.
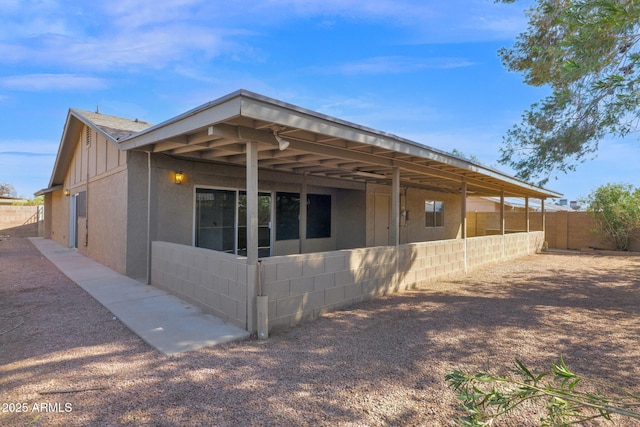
(59, 213)
(173, 208)
(107, 220)
(136, 212)
(351, 206)
(98, 168)
(413, 227)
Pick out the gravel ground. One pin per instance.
(66, 361)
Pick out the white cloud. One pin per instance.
(40, 82)
(397, 65)
(152, 34)
(33, 146)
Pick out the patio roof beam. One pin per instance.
(202, 146)
(340, 150)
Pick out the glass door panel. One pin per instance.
(215, 219)
(264, 224)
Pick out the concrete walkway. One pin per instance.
(162, 320)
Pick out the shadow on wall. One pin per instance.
(28, 230)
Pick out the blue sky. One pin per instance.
(424, 70)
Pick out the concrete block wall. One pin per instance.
(484, 250)
(214, 281)
(302, 287)
(522, 244)
(20, 221)
(574, 230)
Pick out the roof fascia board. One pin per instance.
(300, 118)
(65, 151)
(251, 105)
(200, 117)
(47, 190)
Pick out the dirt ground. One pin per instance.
(65, 361)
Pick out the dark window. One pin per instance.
(264, 224)
(434, 213)
(287, 216)
(81, 204)
(215, 219)
(318, 216)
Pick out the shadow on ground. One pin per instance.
(378, 363)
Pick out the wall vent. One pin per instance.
(88, 136)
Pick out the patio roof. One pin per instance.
(318, 145)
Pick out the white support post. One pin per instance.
(502, 223)
(544, 217)
(395, 207)
(463, 222)
(527, 220)
(302, 224)
(252, 234)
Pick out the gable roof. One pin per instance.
(112, 127)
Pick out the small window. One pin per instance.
(287, 216)
(81, 204)
(434, 213)
(318, 216)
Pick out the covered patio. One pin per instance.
(394, 188)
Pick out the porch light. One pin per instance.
(282, 143)
(179, 177)
(67, 193)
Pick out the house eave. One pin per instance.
(246, 116)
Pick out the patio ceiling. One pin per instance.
(318, 145)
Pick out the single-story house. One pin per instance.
(267, 214)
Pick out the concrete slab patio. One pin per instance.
(163, 321)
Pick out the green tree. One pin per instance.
(616, 210)
(34, 201)
(587, 53)
(486, 396)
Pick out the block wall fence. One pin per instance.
(303, 287)
(21, 221)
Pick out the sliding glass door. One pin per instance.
(215, 219)
(221, 221)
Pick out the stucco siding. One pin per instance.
(107, 220)
(136, 215)
(59, 213)
(173, 208)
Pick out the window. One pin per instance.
(215, 219)
(81, 204)
(221, 221)
(287, 216)
(434, 213)
(318, 216)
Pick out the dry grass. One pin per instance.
(379, 363)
